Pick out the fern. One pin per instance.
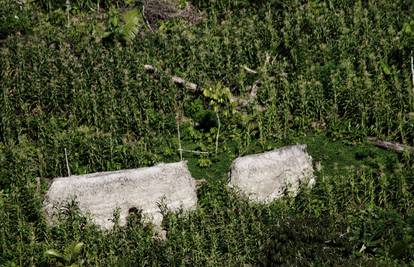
(132, 21)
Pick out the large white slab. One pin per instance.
(264, 177)
(99, 194)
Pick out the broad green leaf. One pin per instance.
(77, 249)
(407, 28)
(52, 253)
(114, 21)
(385, 68)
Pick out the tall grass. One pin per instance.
(337, 68)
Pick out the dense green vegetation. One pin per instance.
(329, 74)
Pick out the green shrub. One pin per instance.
(15, 18)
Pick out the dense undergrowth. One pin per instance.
(329, 74)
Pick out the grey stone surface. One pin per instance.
(99, 194)
(264, 177)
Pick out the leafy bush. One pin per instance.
(15, 18)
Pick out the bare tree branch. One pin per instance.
(390, 145)
(193, 87)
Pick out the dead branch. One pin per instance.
(193, 151)
(145, 19)
(412, 71)
(390, 145)
(67, 162)
(180, 81)
(249, 70)
(193, 87)
(242, 102)
(179, 136)
(175, 79)
(254, 89)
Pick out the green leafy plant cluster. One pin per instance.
(15, 19)
(70, 256)
(124, 27)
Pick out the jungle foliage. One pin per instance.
(329, 74)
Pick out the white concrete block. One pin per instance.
(264, 177)
(99, 194)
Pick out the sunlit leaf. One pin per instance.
(52, 253)
(385, 68)
(132, 19)
(77, 249)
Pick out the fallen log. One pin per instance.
(390, 145)
(180, 81)
(175, 79)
